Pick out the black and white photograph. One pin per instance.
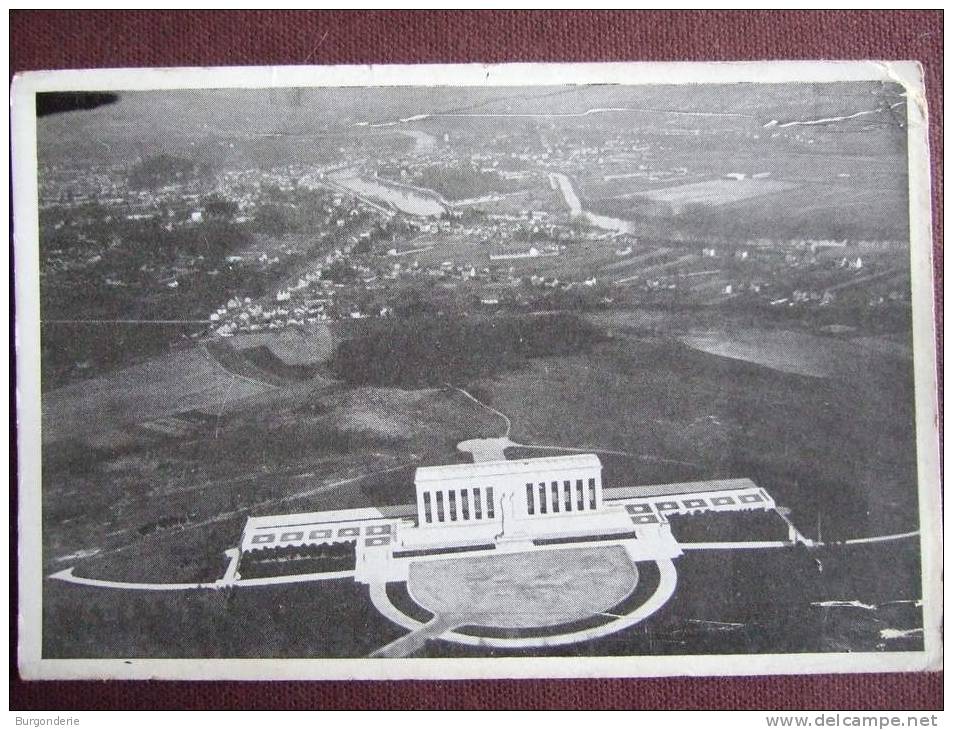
(446, 371)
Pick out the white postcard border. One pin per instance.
(27, 340)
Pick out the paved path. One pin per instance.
(333, 485)
(741, 545)
(798, 540)
(300, 578)
(486, 449)
(67, 575)
(411, 643)
(229, 581)
(666, 587)
(586, 449)
(599, 450)
(491, 449)
(879, 538)
(480, 403)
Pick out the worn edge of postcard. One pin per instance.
(31, 665)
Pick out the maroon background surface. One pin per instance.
(97, 39)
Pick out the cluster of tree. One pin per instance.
(159, 171)
(218, 207)
(466, 215)
(779, 217)
(463, 181)
(428, 351)
(274, 220)
(212, 239)
(135, 257)
(302, 210)
(324, 558)
(578, 299)
(414, 303)
(339, 271)
(852, 308)
(343, 550)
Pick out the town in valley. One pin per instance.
(292, 301)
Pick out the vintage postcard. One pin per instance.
(475, 371)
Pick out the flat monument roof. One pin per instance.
(664, 490)
(507, 467)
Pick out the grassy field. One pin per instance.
(282, 621)
(813, 191)
(749, 602)
(105, 409)
(293, 346)
(789, 351)
(840, 448)
(165, 509)
(711, 192)
(837, 450)
(542, 588)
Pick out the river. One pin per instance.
(616, 225)
(404, 199)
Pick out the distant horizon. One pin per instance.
(147, 115)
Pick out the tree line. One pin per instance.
(432, 350)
